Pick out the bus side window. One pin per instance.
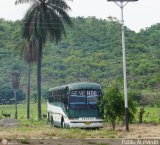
(56, 98)
(60, 99)
(50, 94)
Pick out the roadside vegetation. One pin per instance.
(90, 52)
(33, 128)
(151, 115)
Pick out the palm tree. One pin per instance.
(29, 52)
(44, 19)
(30, 55)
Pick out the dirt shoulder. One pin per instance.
(140, 131)
(9, 123)
(16, 133)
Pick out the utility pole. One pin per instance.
(122, 4)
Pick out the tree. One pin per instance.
(7, 96)
(30, 55)
(44, 19)
(112, 105)
(29, 51)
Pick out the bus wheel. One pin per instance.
(62, 123)
(52, 122)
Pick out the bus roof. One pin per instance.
(78, 85)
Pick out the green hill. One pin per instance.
(90, 52)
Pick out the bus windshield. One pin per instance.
(83, 100)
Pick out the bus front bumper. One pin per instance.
(86, 124)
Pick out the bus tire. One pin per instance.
(62, 123)
(52, 122)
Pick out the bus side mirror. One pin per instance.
(100, 95)
(67, 108)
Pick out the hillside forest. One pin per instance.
(91, 51)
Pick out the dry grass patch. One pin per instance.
(140, 131)
(46, 131)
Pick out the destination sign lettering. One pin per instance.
(84, 93)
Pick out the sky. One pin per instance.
(137, 15)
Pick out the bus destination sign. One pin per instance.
(84, 93)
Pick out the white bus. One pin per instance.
(75, 105)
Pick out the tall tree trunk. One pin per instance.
(39, 59)
(28, 91)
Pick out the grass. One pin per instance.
(151, 115)
(22, 110)
(45, 131)
(34, 128)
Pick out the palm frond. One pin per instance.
(63, 15)
(59, 3)
(46, 18)
(57, 29)
(29, 22)
(30, 51)
(24, 1)
(41, 20)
